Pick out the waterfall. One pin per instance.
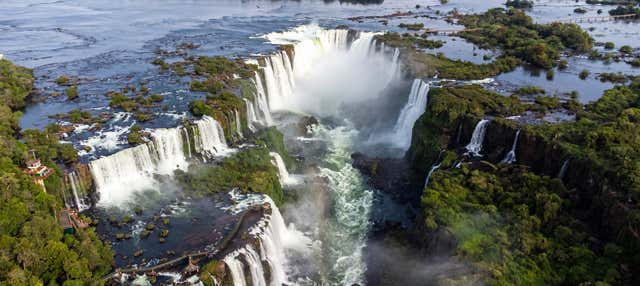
(238, 123)
(116, 175)
(260, 100)
(459, 133)
(209, 140)
(279, 80)
(563, 169)
(168, 147)
(133, 169)
(283, 174)
(282, 168)
(475, 145)
(415, 107)
(274, 239)
(253, 262)
(251, 115)
(75, 186)
(511, 156)
(433, 169)
(235, 268)
(185, 133)
(326, 55)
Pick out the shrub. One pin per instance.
(584, 74)
(71, 92)
(609, 45)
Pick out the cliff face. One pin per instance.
(596, 195)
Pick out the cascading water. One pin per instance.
(563, 169)
(235, 268)
(325, 66)
(274, 240)
(251, 115)
(475, 145)
(209, 140)
(119, 175)
(433, 169)
(511, 156)
(283, 174)
(169, 151)
(415, 107)
(75, 188)
(260, 100)
(238, 124)
(323, 72)
(279, 80)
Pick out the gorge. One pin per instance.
(317, 143)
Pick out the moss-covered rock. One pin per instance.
(248, 170)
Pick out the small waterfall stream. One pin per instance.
(433, 169)
(511, 156)
(76, 187)
(563, 169)
(475, 144)
(251, 115)
(238, 124)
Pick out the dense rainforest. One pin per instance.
(34, 249)
(534, 221)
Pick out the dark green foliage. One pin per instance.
(584, 74)
(134, 137)
(447, 108)
(156, 97)
(520, 4)
(548, 102)
(409, 41)
(71, 92)
(33, 248)
(248, 170)
(511, 224)
(122, 101)
(530, 90)
(273, 140)
(516, 34)
(15, 84)
(522, 228)
(413, 27)
(550, 74)
(428, 65)
(63, 80)
(609, 45)
(579, 10)
(613, 77)
(624, 10)
(626, 49)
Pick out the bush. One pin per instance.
(626, 50)
(579, 10)
(413, 27)
(609, 45)
(584, 74)
(157, 97)
(520, 4)
(62, 80)
(135, 138)
(71, 92)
